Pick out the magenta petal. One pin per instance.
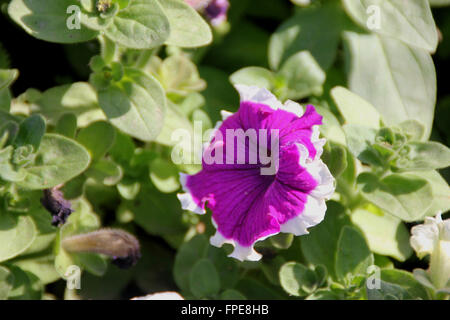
(233, 196)
(247, 206)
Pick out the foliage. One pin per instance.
(105, 141)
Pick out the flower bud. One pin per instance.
(60, 208)
(120, 245)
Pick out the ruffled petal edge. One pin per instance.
(315, 207)
(240, 252)
(264, 96)
(186, 200)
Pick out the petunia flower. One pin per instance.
(433, 238)
(249, 202)
(214, 10)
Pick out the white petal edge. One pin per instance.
(262, 95)
(293, 107)
(317, 142)
(258, 95)
(186, 200)
(168, 295)
(313, 214)
(315, 207)
(225, 114)
(240, 252)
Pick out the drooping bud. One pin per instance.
(60, 208)
(121, 246)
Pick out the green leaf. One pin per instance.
(67, 125)
(406, 196)
(323, 294)
(387, 291)
(359, 141)
(353, 256)
(58, 160)
(424, 156)
(142, 25)
(89, 138)
(187, 27)
(400, 284)
(335, 158)
(7, 77)
(297, 280)
(204, 280)
(43, 267)
(355, 109)
(79, 98)
(331, 128)
(17, 233)
(7, 171)
(26, 285)
(173, 120)
(232, 294)
(48, 20)
(187, 255)
(164, 175)
(271, 268)
(31, 131)
(228, 269)
(320, 245)
(8, 132)
(95, 20)
(254, 76)
(92, 262)
(440, 190)
(5, 100)
(105, 171)
(123, 149)
(128, 189)
(165, 217)
(409, 21)
(413, 129)
(282, 240)
(45, 231)
(423, 277)
(312, 29)
(404, 87)
(179, 75)
(136, 105)
(6, 282)
(303, 76)
(385, 234)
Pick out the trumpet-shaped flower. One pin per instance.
(252, 200)
(433, 238)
